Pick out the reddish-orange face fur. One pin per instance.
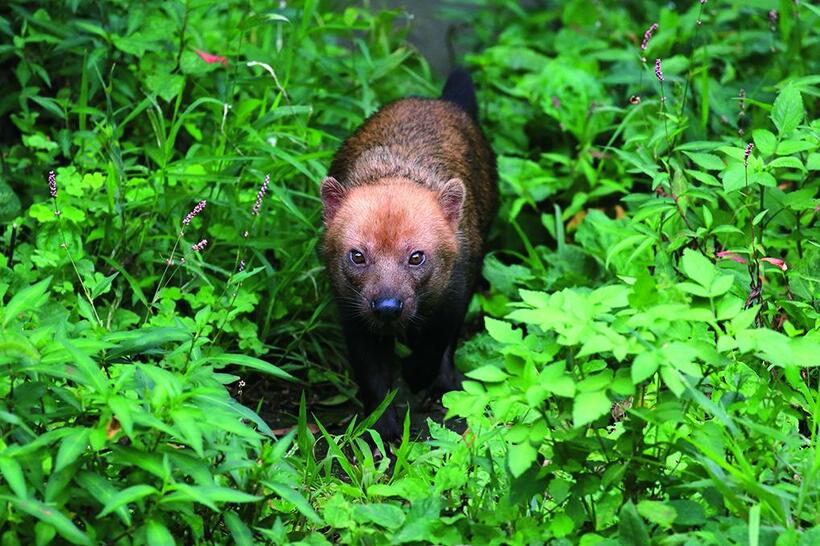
(375, 235)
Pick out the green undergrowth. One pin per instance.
(645, 367)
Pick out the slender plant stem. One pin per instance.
(691, 59)
(86, 293)
(665, 121)
(168, 263)
(762, 223)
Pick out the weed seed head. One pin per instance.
(749, 147)
(191, 215)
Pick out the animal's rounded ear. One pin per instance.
(451, 197)
(332, 193)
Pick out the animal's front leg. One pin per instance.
(371, 358)
(430, 366)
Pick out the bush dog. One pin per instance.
(407, 203)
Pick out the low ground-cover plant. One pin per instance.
(645, 370)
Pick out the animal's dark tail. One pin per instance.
(460, 91)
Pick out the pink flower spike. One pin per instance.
(658, 71)
(749, 147)
(773, 16)
(198, 247)
(191, 215)
(727, 255)
(777, 262)
(648, 35)
(211, 59)
(260, 195)
(52, 184)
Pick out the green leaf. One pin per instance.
(788, 162)
(721, 285)
(762, 178)
(673, 380)
(89, 370)
(520, 457)
(705, 178)
(503, 332)
(132, 282)
(765, 141)
(121, 407)
(754, 525)
(165, 85)
(44, 533)
(787, 111)
(631, 528)
(42, 213)
(103, 285)
(187, 421)
(72, 447)
(157, 534)
(562, 385)
(657, 512)
(644, 366)
(229, 404)
(249, 362)
(734, 178)
(813, 162)
(789, 147)
(697, 267)
(241, 534)
(9, 203)
(144, 339)
(52, 516)
(72, 213)
(13, 474)
(589, 406)
(127, 496)
(385, 515)
(561, 525)
(688, 512)
(487, 374)
(28, 299)
(710, 162)
(295, 498)
(595, 382)
(215, 493)
(102, 491)
(759, 216)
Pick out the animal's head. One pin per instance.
(391, 246)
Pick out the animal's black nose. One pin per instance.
(387, 308)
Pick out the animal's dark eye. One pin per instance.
(416, 258)
(357, 257)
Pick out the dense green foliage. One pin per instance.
(645, 367)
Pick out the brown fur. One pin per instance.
(418, 176)
(429, 142)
